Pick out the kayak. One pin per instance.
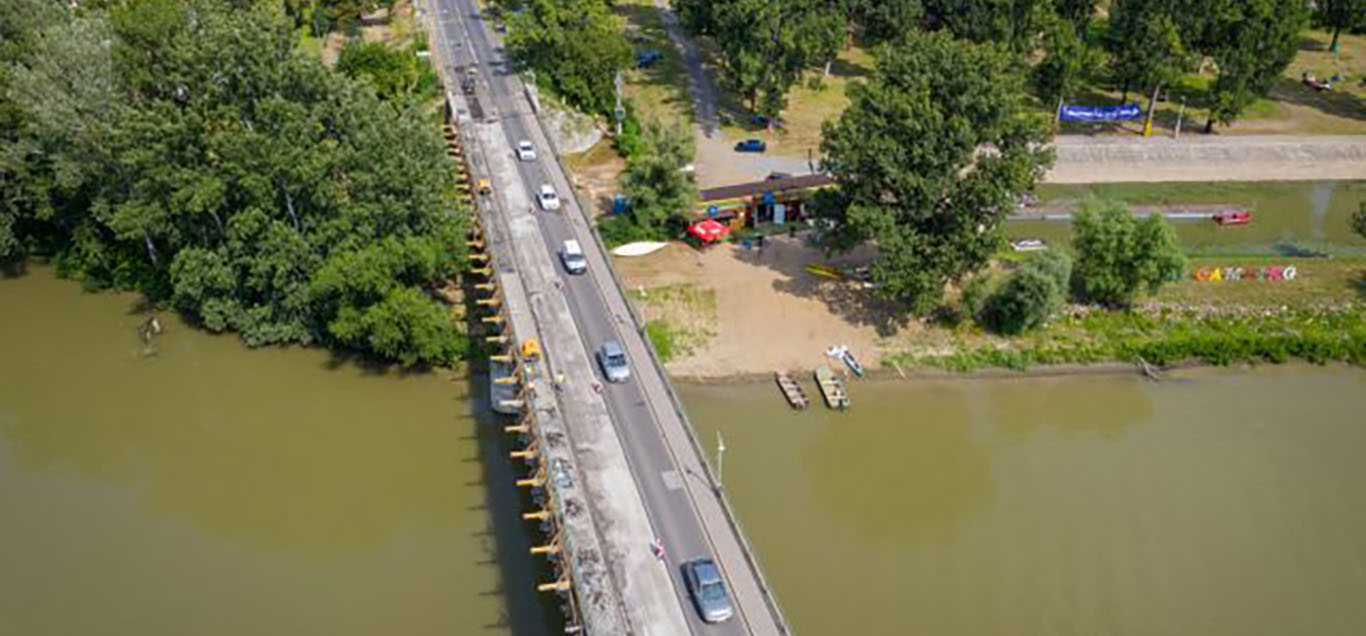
(639, 248)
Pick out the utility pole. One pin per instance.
(1181, 111)
(620, 110)
(720, 457)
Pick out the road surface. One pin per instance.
(683, 509)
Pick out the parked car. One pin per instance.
(708, 590)
(547, 198)
(571, 254)
(526, 151)
(612, 359)
(751, 145)
(774, 176)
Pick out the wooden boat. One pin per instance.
(832, 389)
(796, 397)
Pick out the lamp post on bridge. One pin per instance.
(720, 458)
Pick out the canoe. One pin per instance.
(850, 362)
(796, 397)
(832, 389)
(639, 248)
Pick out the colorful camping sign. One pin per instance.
(1216, 274)
(1099, 113)
(708, 230)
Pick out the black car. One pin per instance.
(751, 145)
(774, 176)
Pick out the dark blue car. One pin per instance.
(751, 145)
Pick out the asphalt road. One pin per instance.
(468, 40)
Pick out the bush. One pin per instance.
(1027, 299)
(661, 338)
(1024, 301)
(1119, 256)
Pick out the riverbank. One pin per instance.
(750, 312)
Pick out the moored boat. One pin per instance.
(796, 397)
(832, 388)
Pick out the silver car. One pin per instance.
(612, 359)
(526, 151)
(708, 590)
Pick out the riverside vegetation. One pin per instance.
(193, 152)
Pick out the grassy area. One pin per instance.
(1289, 217)
(813, 101)
(1290, 108)
(679, 319)
(660, 91)
(1166, 336)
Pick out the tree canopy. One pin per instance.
(193, 152)
(1120, 255)
(932, 153)
(660, 190)
(1030, 295)
(576, 46)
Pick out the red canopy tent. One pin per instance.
(708, 230)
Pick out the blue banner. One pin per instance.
(1100, 113)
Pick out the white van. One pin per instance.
(572, 257)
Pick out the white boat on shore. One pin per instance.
(639, 248)
(842, 353)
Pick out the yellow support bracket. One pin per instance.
(502, 357)
(479, 256)
(540, 515)
(482, 271)
(512, 379)
(522, 454)
(531, 481)
(561, 585)
(493, 319)
(496, 339)
(488, 302)
(517, 428)
(552, 548)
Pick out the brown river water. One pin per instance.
(1225, 503)
(199, 488)
(196, 487)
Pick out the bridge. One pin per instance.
(613, 467)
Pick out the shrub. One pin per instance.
(1119, 255)
(1024, 301)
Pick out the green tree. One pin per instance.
(1016, 24)
(1341, 14)
(1066, 63)
(1148, 44)
(1359, 220)
(574, 46)
(1251, 42)
(885, 20)
(765, 46)
(1119, 255)
(932, 153)
(1024, 301)
(190, 150)
(393, 71)
(661, 191)
(1035, 291)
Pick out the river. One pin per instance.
(1225, 503)
(197, 487)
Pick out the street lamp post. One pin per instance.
(720, 457)
(1179, 113)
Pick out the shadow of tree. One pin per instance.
(667, 73)
(1360, 285)
(1333, 102)
(854, 304)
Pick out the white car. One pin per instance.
(526, 151)
(548, 199)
